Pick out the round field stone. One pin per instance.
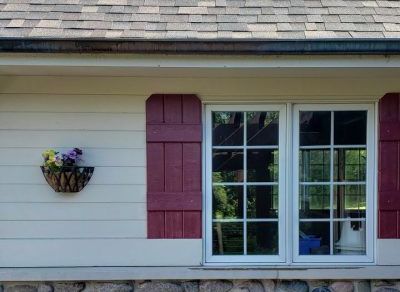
(292, 286)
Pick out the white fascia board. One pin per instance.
(197, 61)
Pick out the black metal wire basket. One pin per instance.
(68, 179)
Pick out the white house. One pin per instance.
(255, 143)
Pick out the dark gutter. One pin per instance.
(213, 47)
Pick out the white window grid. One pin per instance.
(369, 183)
(280, 257)
(288, 190)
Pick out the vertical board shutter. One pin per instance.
(173, 134)
(389, 166)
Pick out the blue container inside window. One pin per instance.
(308, 242)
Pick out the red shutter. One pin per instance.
(173, 132)
(389, 166)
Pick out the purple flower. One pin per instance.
(72, 154)
(78, 151)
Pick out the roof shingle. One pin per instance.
(200, 19)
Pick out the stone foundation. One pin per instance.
(204, 285)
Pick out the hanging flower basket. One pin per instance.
(62, 172)
(68, 179)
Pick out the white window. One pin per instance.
(307, 201)
(245, 183)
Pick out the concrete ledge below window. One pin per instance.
(184, 273)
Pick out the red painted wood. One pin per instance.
(389, 166)
(192, 224)
(156, 224)
(389, 131)
(389, 200)
(388, 224)
(173, 167)
(191, 166)
(155, 106)
(155, 167)
(174, 201)
(174, 224)
(190, 106)
(173, 133)
(173, 109)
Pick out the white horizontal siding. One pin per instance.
(105, 224)
(72, 121)
(72, 103)
(34, 219)
(72, 229)
(30, 193)
(100, 252)
(72, 138)
(72, 211)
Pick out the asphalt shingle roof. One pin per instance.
(200, 19)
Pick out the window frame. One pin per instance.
(282, 222)
(370, 184)
(289, 186)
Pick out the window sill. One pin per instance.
(201, 272)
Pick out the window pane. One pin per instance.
(314, 201)
(262, 128)
(262, 165)
(315, 128)
(350, 164)
(314, 165)
(227, 128)
(349, 201)
(262, 238)
(262, 201)
(227, 238)
(314, 238)
(227, 202)
(350, 127)
(349, 238)
(227, 165)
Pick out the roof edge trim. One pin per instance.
(210, 47)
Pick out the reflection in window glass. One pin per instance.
(350, 128)
(262, 165)
(332, 198)
(262, 128)
(227, 128)
(262, 202)
(315, 128)
(349, 201)
(262, 238)
(349, 164)
(245, 197)
(314, 165)
(314, 201)
(227, 202)
(227, 165)
(227, 238)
